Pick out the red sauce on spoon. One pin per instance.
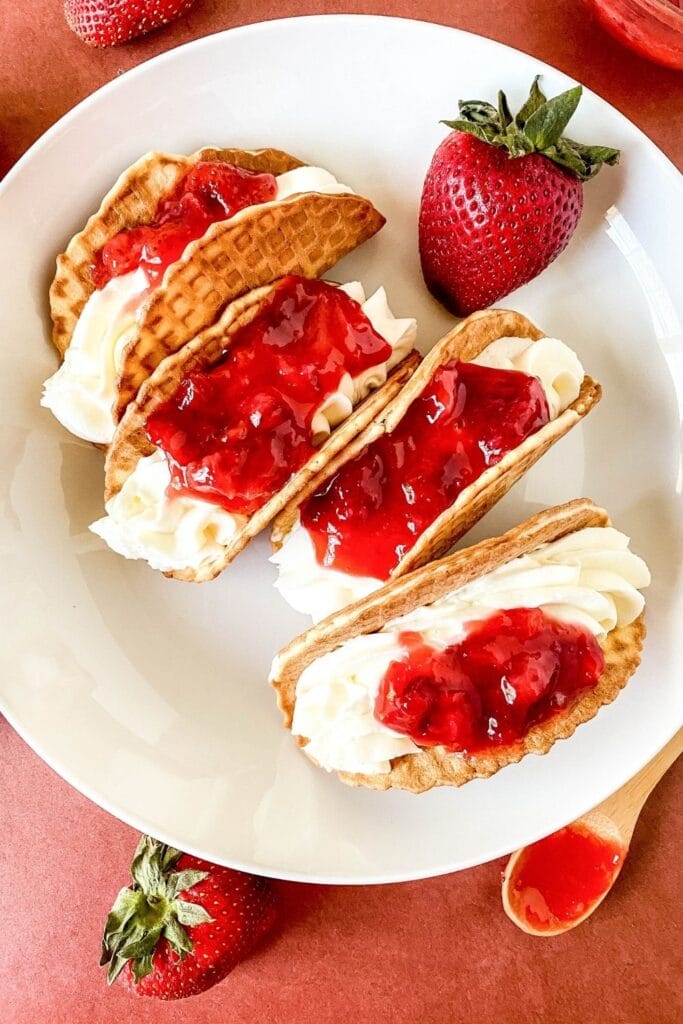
(557, 881)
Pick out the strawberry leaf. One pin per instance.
(179, 940)
(516, 142)
(537, 128)
(168, 857)
(479, 132)
(545, 126)
(115, 967)
(146, 867)
(149, 909)
(595, 154)
(143, 966)
(124, 909)
(504, 115)
(477, 111)
(191, 914)
(584, 161)
(565, 156)
(599, 154)
(535, 100)
(179, 881)
(141, 942)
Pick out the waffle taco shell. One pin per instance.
(131, 442)
(436, 766)
(304, 234)
(465, 342)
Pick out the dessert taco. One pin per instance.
(175, 240)
(486, 403)
(468, 664)
(226, 431)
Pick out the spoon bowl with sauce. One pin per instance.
(555, 884)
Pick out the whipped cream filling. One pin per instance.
(308, 179)
(589, 578)
(319, 590)
(178, 533)
(142, 521)
(82, 393)
(309, 587)
(400, 333)
(554, 364)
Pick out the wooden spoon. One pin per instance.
(555, 884)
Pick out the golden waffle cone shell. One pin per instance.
(465, 343)
(202, 353)
(132, 201)
(305, 234)
(435, 766)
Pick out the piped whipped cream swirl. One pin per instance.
(553, 363)
(589, 578)
(177, 533)
(82, 393)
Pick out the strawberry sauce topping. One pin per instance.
(211, 191)
(235, 434)
(558, 879)
(373, 510)
(509, 672)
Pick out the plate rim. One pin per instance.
(287, 875)
(260, 26)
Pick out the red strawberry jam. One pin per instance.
(373, 510)
(557, 880)
(509, 672)
(210, 192)
(234, 435)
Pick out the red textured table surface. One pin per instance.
(432, 952)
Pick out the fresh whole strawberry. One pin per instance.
(183, 924)
(109, 22)
(502, 197)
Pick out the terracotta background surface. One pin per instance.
(432, 952)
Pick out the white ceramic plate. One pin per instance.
(150, 696)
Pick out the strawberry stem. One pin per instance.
(150, 909)
(537, 127)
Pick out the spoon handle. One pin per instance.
(624, 806)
